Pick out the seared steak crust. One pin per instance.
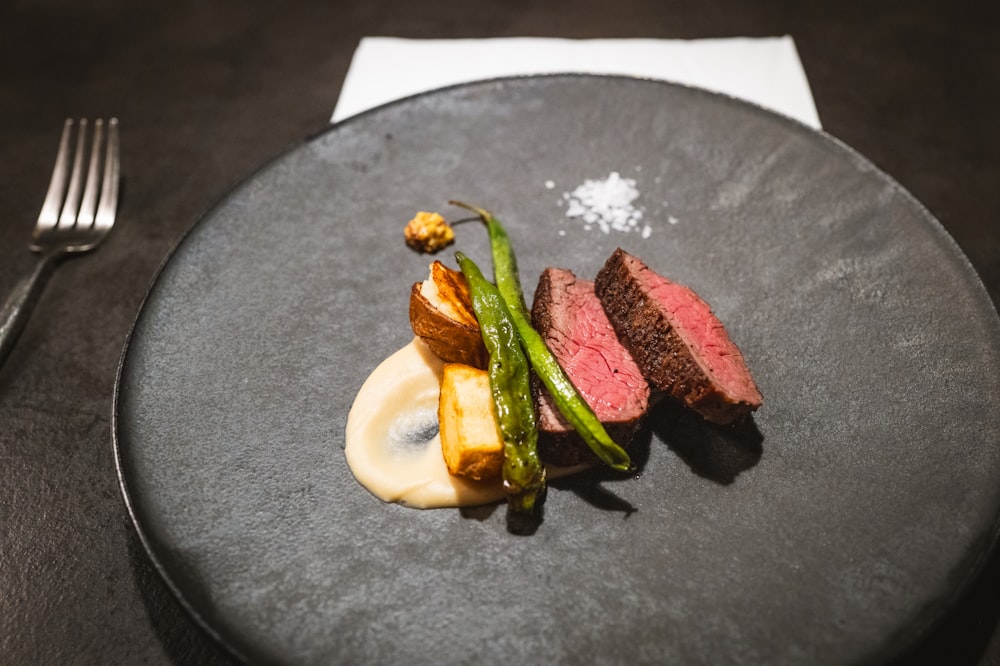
(679, 344)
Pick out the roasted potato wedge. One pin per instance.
(441, 314)
(470, 438)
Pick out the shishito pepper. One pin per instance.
(509, 372)
(567, 399)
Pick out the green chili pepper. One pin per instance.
(567, 399)
(523, 472)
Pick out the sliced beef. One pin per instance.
(568, 315)
(678, 342)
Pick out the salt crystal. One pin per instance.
(607, 203)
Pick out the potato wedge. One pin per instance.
(441, 314)
(470, 438)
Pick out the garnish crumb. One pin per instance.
(428, 233)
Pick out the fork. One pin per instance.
(74, 217)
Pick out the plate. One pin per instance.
(834, 528)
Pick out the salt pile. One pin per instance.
(607, 204)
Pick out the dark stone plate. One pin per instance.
(834, 528)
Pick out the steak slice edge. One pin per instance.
(678, 342)
(568, 315)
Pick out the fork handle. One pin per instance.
(22, 300)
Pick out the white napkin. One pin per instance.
(766, 71)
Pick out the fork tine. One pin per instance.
(88, 204)
(109, 187)
(67, 218)
(57, 185)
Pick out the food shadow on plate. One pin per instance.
(719, 453)
(518, 524)
(715, 452)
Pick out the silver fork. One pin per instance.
(78, 212)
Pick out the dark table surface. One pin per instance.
(206, 91)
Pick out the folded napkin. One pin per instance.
(766, 71)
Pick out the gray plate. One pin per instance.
(833, 529)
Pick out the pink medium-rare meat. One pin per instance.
(680, 345)
(568, 315)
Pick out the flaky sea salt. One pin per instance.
(608, 204)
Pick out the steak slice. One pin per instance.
(678, 342)
(568, 315)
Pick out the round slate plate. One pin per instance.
(833, 528)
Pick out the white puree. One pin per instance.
(389, 448)
(393, 447)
